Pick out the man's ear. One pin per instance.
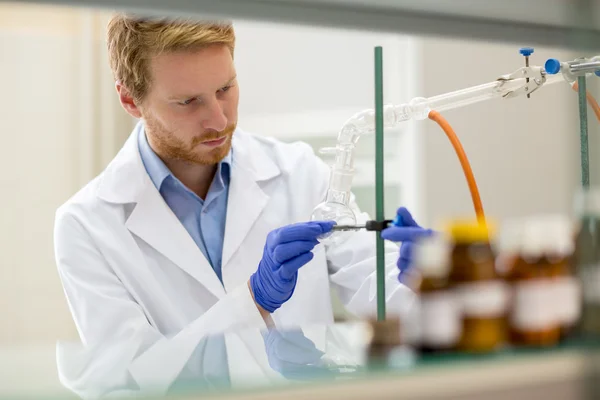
(127, 101)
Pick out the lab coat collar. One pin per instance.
(125, 181)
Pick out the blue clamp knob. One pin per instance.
(597, 73)
(552, 66)
(526, 51)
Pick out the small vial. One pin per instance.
(532, 318)
(481, 292)
(438, 307)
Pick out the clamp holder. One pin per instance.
(535, 75)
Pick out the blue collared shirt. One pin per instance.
(203, 219)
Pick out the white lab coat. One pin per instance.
(131, 271)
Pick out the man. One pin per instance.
(197, 227)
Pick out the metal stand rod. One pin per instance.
(583, 132)
(379, 182)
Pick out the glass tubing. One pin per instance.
(336, 206)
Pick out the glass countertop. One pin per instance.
(264, 361)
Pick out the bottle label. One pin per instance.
(567, 299)
(440, 319)
(590, 277)
(534, 305)
(486, 299)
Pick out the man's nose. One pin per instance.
(215, 118)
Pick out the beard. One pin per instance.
(171, 147)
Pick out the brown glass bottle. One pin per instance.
(439, 311)
(481, 292)
(533, 320)
(385, 338)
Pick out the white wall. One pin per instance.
(56, 135)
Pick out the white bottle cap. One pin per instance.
(532, 239)
(510, 237)
(547, 235)
(432, 256)
(559, 234)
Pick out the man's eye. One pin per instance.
(187, 102)
(225, 88)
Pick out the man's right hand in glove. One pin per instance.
(286, 250)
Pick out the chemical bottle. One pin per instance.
(384, 341)
(440, 322)
(481, 293)
(532, 317)
(587, 260)
(507, 247)
(559, 232)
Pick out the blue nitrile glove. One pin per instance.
(286, 250)
(407, 231)
(293, 355)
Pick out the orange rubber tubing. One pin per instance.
(464, 162)
(591, 101)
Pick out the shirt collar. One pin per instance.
(158, 171)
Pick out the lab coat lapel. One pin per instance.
(245, 204)
(247, 199)
(125, 181)
(153, 221)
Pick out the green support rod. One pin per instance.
(583, 132)
(379, 210)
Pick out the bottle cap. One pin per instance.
(559, 233)
(467, 231)
(510, 237)
(547, 235)
(432, 256)
(532, 238)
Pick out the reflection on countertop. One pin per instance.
(251, 358)
(333, 361)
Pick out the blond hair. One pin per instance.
(133, 42)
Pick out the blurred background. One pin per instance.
(61, 124)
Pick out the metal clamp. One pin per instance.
(536, 79)
(375, 226)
